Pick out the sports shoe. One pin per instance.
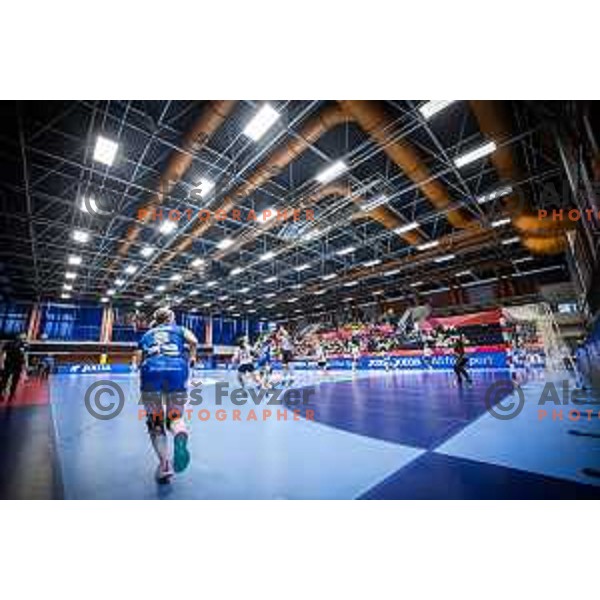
(181, 454)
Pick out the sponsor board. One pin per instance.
(94, 368)
(477, 360)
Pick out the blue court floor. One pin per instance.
(370, 435)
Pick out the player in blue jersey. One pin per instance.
(165, 353)
(263, 350)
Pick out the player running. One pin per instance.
(263, 350)
(321, 357)
(287, 355)
(427, 356)
(164, 370)
(244, 359)
(460, 362)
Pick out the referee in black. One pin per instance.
(15, 358)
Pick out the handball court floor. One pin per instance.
(375, 435)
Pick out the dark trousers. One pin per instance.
(460, 369)
(12, 372)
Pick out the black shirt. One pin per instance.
(15, 352)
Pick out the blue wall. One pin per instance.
(227, 331)
(14, 319)
(70, 322)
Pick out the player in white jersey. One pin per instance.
(355, 355)
(244, 359)
(287, 355)
(321, 357)
(427, 356)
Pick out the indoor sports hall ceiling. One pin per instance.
(402, 190)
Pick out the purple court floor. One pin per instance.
(370, 435)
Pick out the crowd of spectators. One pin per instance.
(376, 338)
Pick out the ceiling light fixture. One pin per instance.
(225, 243)
(444, 258)
(204, 187)
(433, 107)
(332, 171)
(475, 154)
(105, 151)
(147, 251)
(167, 227)
(406, 228)
(261, 122)
(303, 267)
(500, 222)
(81, 236)
(428, 245)
(372, 263)
(512, 240)
(493, 195)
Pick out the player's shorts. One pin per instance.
(321, 364)
(164, 375)
(286, 357)
(246, 368)
(163, 386)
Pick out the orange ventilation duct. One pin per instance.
(205, 126)
(314, 128)
(541, 236)
(374, 119)
(326, 120)
(545, 245)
